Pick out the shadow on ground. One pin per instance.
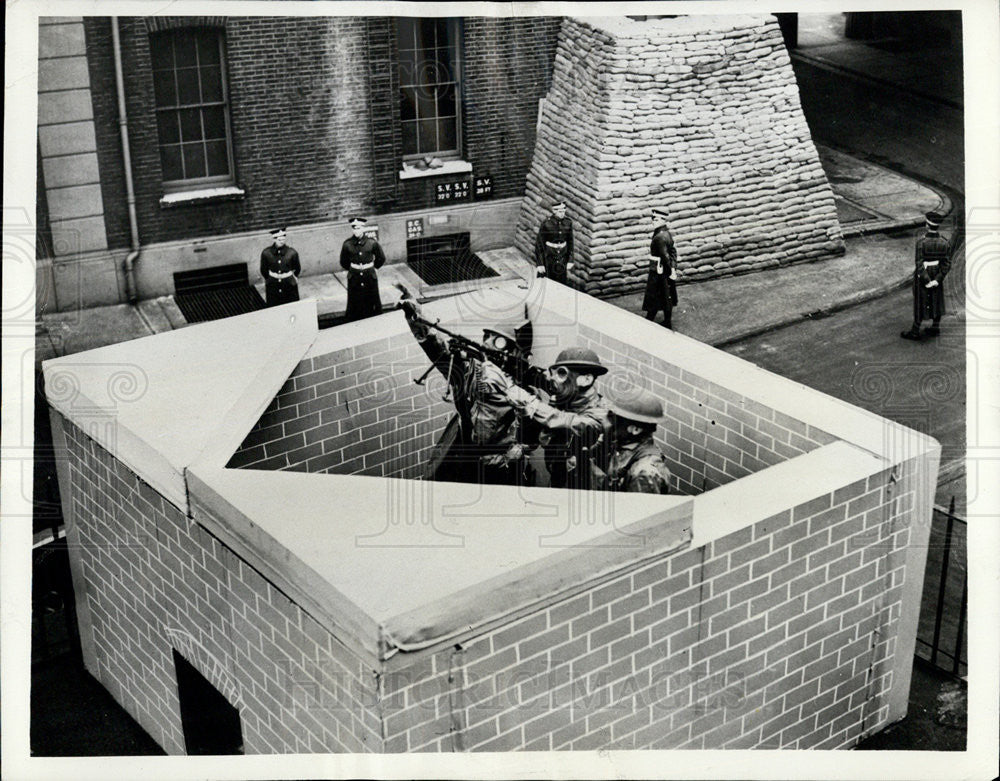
(936, 718)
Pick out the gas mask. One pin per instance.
(566, 384)
(625, 431)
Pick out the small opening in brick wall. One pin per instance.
(358, 411)
(211, 725)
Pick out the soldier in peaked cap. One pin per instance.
(933, 260)
(574, 423)
(661, 282)
(637, 465)
(361, 256)
(280, 268)
(554, 244)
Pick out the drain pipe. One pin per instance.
(133, 223)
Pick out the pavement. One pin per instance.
(888, 62)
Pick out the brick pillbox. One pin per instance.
(251, 507)
(699, 114)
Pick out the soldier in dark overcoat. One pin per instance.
(661, 282)
(932, 262)
(280, 268)
(554, 245)
(361, 256)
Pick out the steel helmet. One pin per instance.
(580, 358)
(508, 331)
(639, 406)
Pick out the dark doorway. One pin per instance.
(211, 724)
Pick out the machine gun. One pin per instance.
(518, 367)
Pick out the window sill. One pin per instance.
(449, 167)
(207, 195)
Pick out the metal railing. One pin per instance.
(941, 634)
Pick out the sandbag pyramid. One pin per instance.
(697, 114)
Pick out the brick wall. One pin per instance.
(779, 635)
(508, 68)
(156, 581)
(711, 435)
(299, 116)
(308, 113)
(355, 410)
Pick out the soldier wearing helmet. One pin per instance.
(575, 424)
(482, 442)
(637, 465)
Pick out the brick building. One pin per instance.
(236, 125)
(247, 542)
(464, 128)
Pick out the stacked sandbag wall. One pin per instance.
(700, 115)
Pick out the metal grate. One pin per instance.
(214, 293)
(208, 305)
(440, 260)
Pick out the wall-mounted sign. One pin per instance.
(483, 186)
(415, 228)
(452, 191)
(372, 230)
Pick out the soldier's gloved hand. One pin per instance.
(410, 307)
(514, 453)
(932, 283)
(540, 270)
(673, 276)
(519, 397)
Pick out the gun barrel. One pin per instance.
(518, 367)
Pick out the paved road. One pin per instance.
(919, 137)
(857, 355)
(924, 139)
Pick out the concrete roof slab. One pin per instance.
(160, 400)
(421, 560)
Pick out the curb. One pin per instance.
(826, 311)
